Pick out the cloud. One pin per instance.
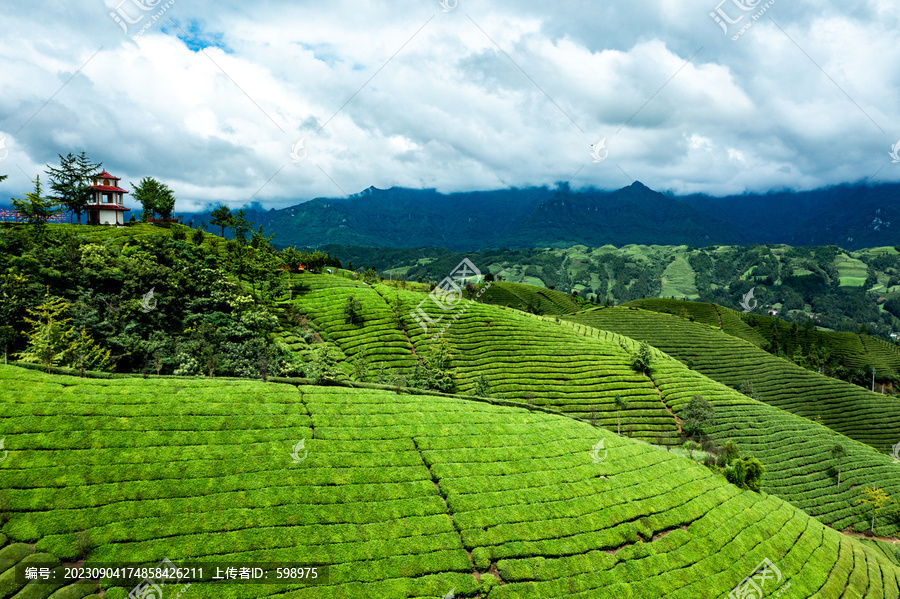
(210, 97)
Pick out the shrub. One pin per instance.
(640, 360)
(745, 473)
(482, 558)
(353, 311)
(697, 414)
(482, 387)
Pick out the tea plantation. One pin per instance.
(868, 417)
(400, 495)
(578, 371)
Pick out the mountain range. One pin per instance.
(850, 216)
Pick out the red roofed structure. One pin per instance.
(106, 206)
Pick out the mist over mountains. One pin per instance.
(850, 216)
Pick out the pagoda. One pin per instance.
(105, 206)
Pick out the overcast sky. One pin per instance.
(212, 97)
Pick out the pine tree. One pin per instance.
(50, 342)
(36, 207)
(71, 181)
(47, 339)
(84, 353)
(221, 217)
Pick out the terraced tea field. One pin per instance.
(868, 417)
(578, 371)
(401, 496)
(522, 356)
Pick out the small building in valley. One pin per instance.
(106, 206)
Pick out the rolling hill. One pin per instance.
(398, 495)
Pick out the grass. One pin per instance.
(400, 495)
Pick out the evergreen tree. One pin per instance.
(84, 353)
(221, 217)
(241, 226)
(48, 337)
(13, 291)
(70, 182)
(36, 207)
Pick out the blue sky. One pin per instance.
(277, 102)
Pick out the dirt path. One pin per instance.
(859, 535)
(678, 420)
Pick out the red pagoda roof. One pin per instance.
(105, 207)
(106, 175)
(106, 188)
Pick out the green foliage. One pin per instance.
(482, 387)
(875, 497)
(36, 207)
(51, 342)
(732, 451)
(353, 311)
(697, 415)
(221, 217)
(482, 558)
(84, 353)
(241, 226)
(13, 303)
(691, 447)
(70, 182)
(434, 371)
(322, 366)
(839, 453)
(360, 367)
(745, 473)
(48, 338)
(641, 359)
(156, 198)
(621, 404)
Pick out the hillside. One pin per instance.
(826, 286)
(842, 355)
(848, 216)
(870, 418)
(398, 495)
(578, 371)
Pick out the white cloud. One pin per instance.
(412, 96)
